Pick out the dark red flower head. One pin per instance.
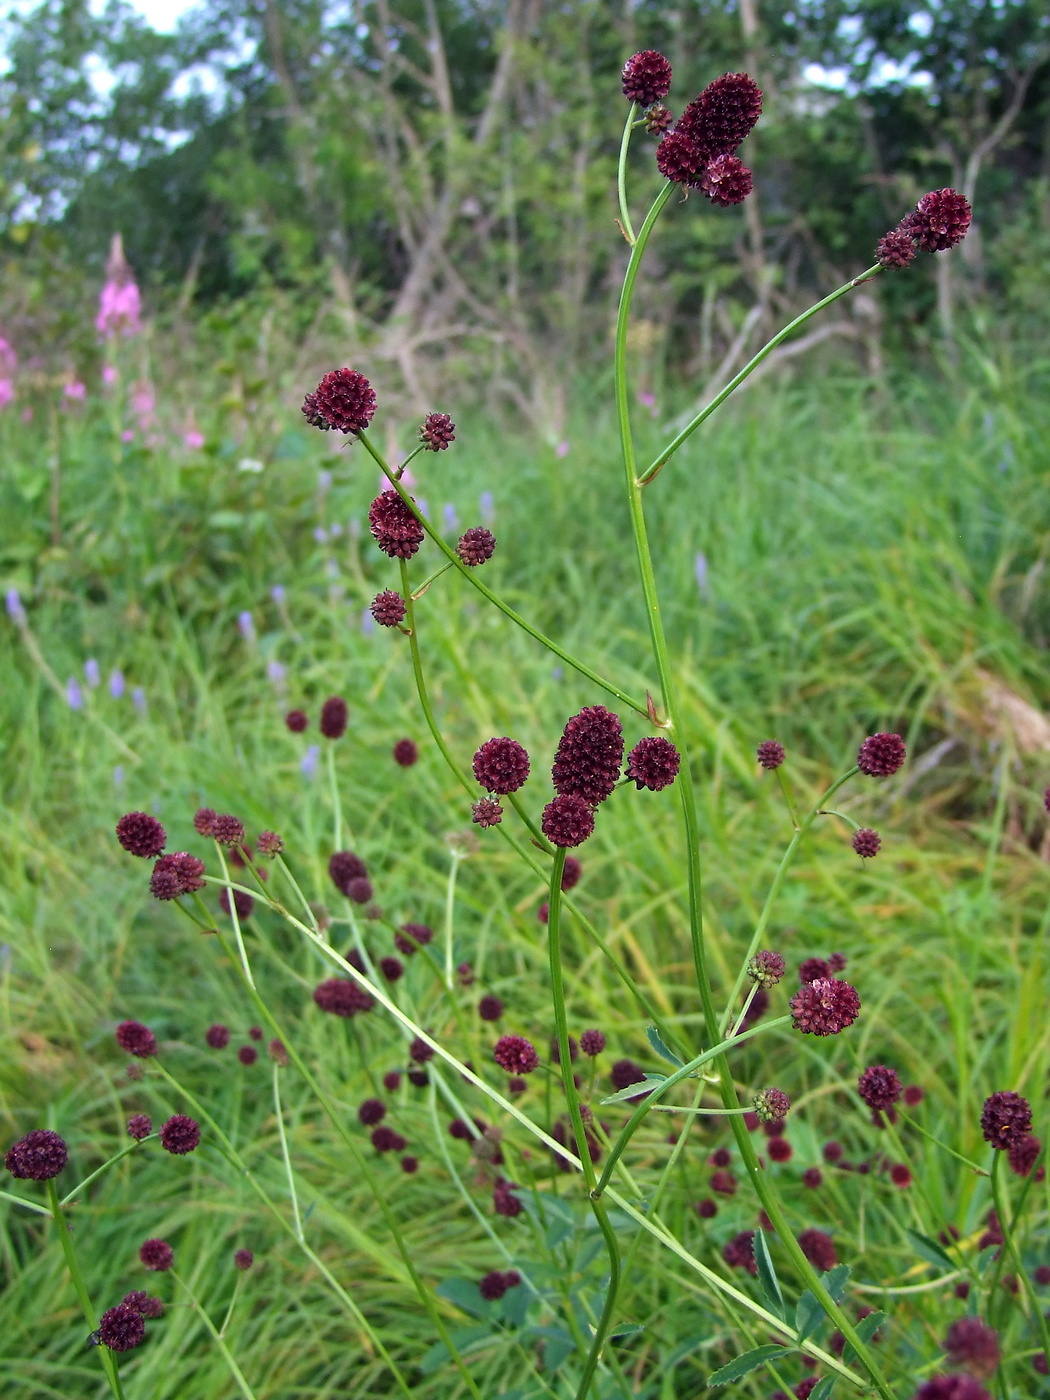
(771, 1105)
(895, 249)
(38, 1156)
(567, 820)
(139, 1126)
(592, 1042)
(341, 997)
(277, 1051)
(388, 608)
(812, 968)
(227, 830)
(951, 1388)
(571, 872)
(739, 1253)
(819, 1249)
(412, 937)
(217, 1036)
(880, 1087)
(334, 715)
(646, 77)
(141, 1301)
(156, 1255)
(247, 1054)
(939, 221)
(243, 1259)
(486, 812)
(394, 528)
(420, 1051)
(121, 1328)
(1023, 1153)
(770, 754)
(136, 1039)
(970, 1343)
(678, 157)
(653, 763)
(501, 766)
(269, 844)
(658, 119)
(176, 874)
(296, 721)
(476, 546)
(726, 180)
(493, 1286)
(405, 753)
(766, 968)
(824, 1007)
(180, 1134)
(141, 835)
(724, 1182)
(881, 754)
(723, 115)
(344, 400)
(590, 752)
(385, 1139)
(243, 903)
(490, 1008)
(504, 1202)
(1006, 1116)
(624, 1073)
(372, 1111)
(779, 1149)
(344, 867)
(515, 1054)
(866, 842)
(393, 969)
(707, 1209)
(437, 432)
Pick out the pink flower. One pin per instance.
(562, 449)
(128, 435)
(75, 390)
(109, 375)
(193, 438)
(119, 305)
(143, 402)
(7, 392)
(8, 359)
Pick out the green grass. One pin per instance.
(874, 560)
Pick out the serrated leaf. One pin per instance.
(823, 1388)
(835, 1281)
(767, 1274)
(744, 1365)
(657, 1042)
(866, 1329)
(633, 1090)
(808, 1315)
(929, 1250)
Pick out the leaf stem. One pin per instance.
(65, 1239)
(621, 176)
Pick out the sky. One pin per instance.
(162, 14)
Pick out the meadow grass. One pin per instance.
(872, 558)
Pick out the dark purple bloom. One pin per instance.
(386, 1140)
(393, 969)
(812, 1177)
(38, 1156)
(476, 546)
(625, 1073)
(726, 180)
(707, 1209)
(344, 400)
(646, 77)
(739, 1253)
(204, 817)
(658, 119)
(724, 1182)
(247, 1054)
(1006, 1116)
(343, 867)
(779, 1149)
(490, 1008)
(405, 753)
(296, 721)
(895, 249)
(486, 812)
(437, 432)
(766, 968)
(592, 1042)
(394, 528)
(136, 1039)
(678, 157)
(141, 835)
(139, 1126)
(881, 754)
(824, 1007)
(866, 842)
(880, 1087)
(410, 1165)
(121, 1328)
(771, 1105)
(567, 820)
(227, 830)
(653, 763)
(819, 1249)
(723, 115)
(590, 753)
(515, 1054)
(175, 875)
(973, 1345)
(243, 1259)
(504, 1202)
(388, 608)
(571, 872)
(243, 903)
(141, 1301)
(334, 715)
(940, 220)
(180, 1134)
(269, 843)
(419, 1051)
(1023, 1153)
(951, 1388)
(501, 766)
(412, 937)
(770, 754)
(156, 1255)
(341, 997)
(217, 1036)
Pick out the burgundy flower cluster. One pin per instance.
(344, 402)
(700, 150)
(939, 221)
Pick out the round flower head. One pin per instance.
(646, 77)
(624, 1073)
(394, 528)
(141, 835)
(570, 875)
(501, 766)
(334, 715)
(405, 753)
(141, 1301)
(420, 1051)
(372, 1111)
(770, 754)
(156, 1255)
(504, 1202)
(490, 1008)
(486, 812)
(247, 1054)
(970, 1343)
(824, 1007)
(180, 1134)
(243, 1259)
(227, 830)
(393, 969)
(766, 968)
(723, 115)
(243, 903)
(296, 721)
(343, 867)
(812, 1177)
(412, 937)
(707, 1209)
(344, 401)
(812, 968)
(341, 997)
(739, 1253)
(951, 1388)
(939, 221)
(121, 1328)
(1005, 1117)
(590, 753)
(895, 249)
(658, 119)
(653, 763)
(136, 1039)
(771, 1105)
(880, 1087)
(277, 1052)
(392, 1081)
(574, 1050)
(492, 1286)
(592, 1042)
(881, 754)
(38, 1156)
(726, 180)
(678, 157)
(217, 1036)
(476, 546)
(866, 842)
(723, 1182)
(204, 817)
(175, 875)
(779, 1149)
(437, 432)
(515, 1054)
(567, 820)
(388, 608)
(419, 1078)
(139, 1126)
(1023, 1153)
(410, 1165)
(819, 1249)
(387, 1140)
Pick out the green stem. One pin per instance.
(485, 591)
(29, 1205)
(418, 593)
(337, 807)
(738, 379)
(124, 1152)
(66, 1241)
(999, 1196)
(621, 176)
(279, 1112)
(227, 1355)
(450, 905)
(242, 952)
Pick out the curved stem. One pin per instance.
(999, 1196)
(124, 1152)
(227, 1355)
(486, 592)
(621, 175)
(665, 456)
(65, 1239)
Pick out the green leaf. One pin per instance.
(835, 1282)
(929, 1250)
(767, 1274)
(464, 1293)
(808, 1316)
(823, 1388)
(462, 1338)
(629, 1329)
(743, 1365)
(656, 1041)
(866, 1329)
(643, 1086)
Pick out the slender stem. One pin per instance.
(295, 886)
(227, 1355)
(450, 906)
(242, 952)
(738, 379)
(29, 1205)
(621, 175)
(124, 1152)
(966, 1161)
(426, 584)
(284, 1152)
(485, 591)
(999, 1196)
(337, 806)
(66, 1241)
